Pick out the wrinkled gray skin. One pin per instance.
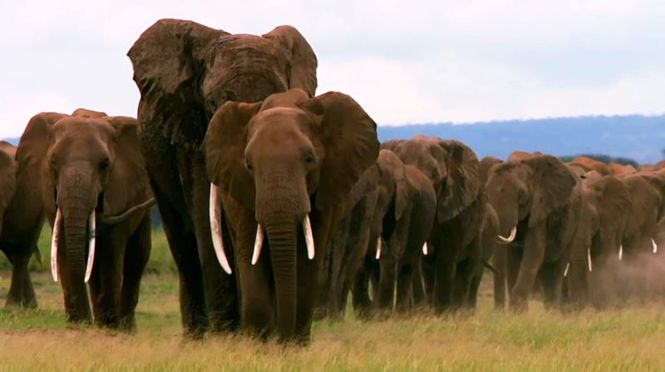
(540, 196)
(185, 72)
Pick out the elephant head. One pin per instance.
(283, 158)
(186, 71)
(528, 189)
(452, 167)
(87, 166)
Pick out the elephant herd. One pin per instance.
(278, 205)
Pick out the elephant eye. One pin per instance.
(104, 165)
(249, 166)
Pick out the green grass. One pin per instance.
(629, 339)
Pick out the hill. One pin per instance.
(636, 137)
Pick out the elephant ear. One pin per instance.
(128, 182)
(348, 136)
(462, 184)
(390, 165)
(391, 145)
(302, 60)
(168, 59)
(553, 184)
(32, 156)
(85, 113)
(224, 149)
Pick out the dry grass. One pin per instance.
(629, 339)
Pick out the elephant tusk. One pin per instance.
(509, 239)
(215, 211)
(425, 249)
(309, 237)
(54, 245)
(378, 248)
(565, 271)
(588, 258)
(655, 246)
(258, 244)
(621, 252)
(91, 246)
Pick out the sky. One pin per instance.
(403, 61)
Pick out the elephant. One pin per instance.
(185, 72)
(17, 240)
(537, 199)
(282, 169)
(88, 171)
(590, 277)
(366, 204)
(455, 252)
(647, 195)
(404, 222)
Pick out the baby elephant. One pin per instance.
(91, 177)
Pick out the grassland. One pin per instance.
(629, 339)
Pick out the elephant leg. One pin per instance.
(256, 312)
(500, 277)
(551, 279)
(361, 300)
(404, 299)
(427, 270)
(472, 298)
(106, 280)
(135, 261)
(182, 244)
(462, 283)
(21, 293)
(418, 290)
(444, 271)
(532, 259)
(386, 289)
(220, 288)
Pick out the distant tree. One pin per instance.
(603, 158)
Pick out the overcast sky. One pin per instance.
(432, 61)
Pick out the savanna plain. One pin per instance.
(619, 339)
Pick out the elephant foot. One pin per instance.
(518, 306)
(13, 303)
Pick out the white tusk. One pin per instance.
(91, 246)
(510, 238)
(54, 245)
(621, 252)
(655, 246)
(588, 258)
(215, 210)
(565, 271)
(309, 237)
(258, 244)
(425, 250)
(378, 248)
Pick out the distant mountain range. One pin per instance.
(636, 137)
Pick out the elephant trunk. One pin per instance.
(282, 238)
(76, 205)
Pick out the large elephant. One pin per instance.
(455, 252)
(282, 169)
(90, 176)
(185, 72)
(537, 199)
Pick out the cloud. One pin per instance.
(421, 61)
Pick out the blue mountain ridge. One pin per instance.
(637, 137)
